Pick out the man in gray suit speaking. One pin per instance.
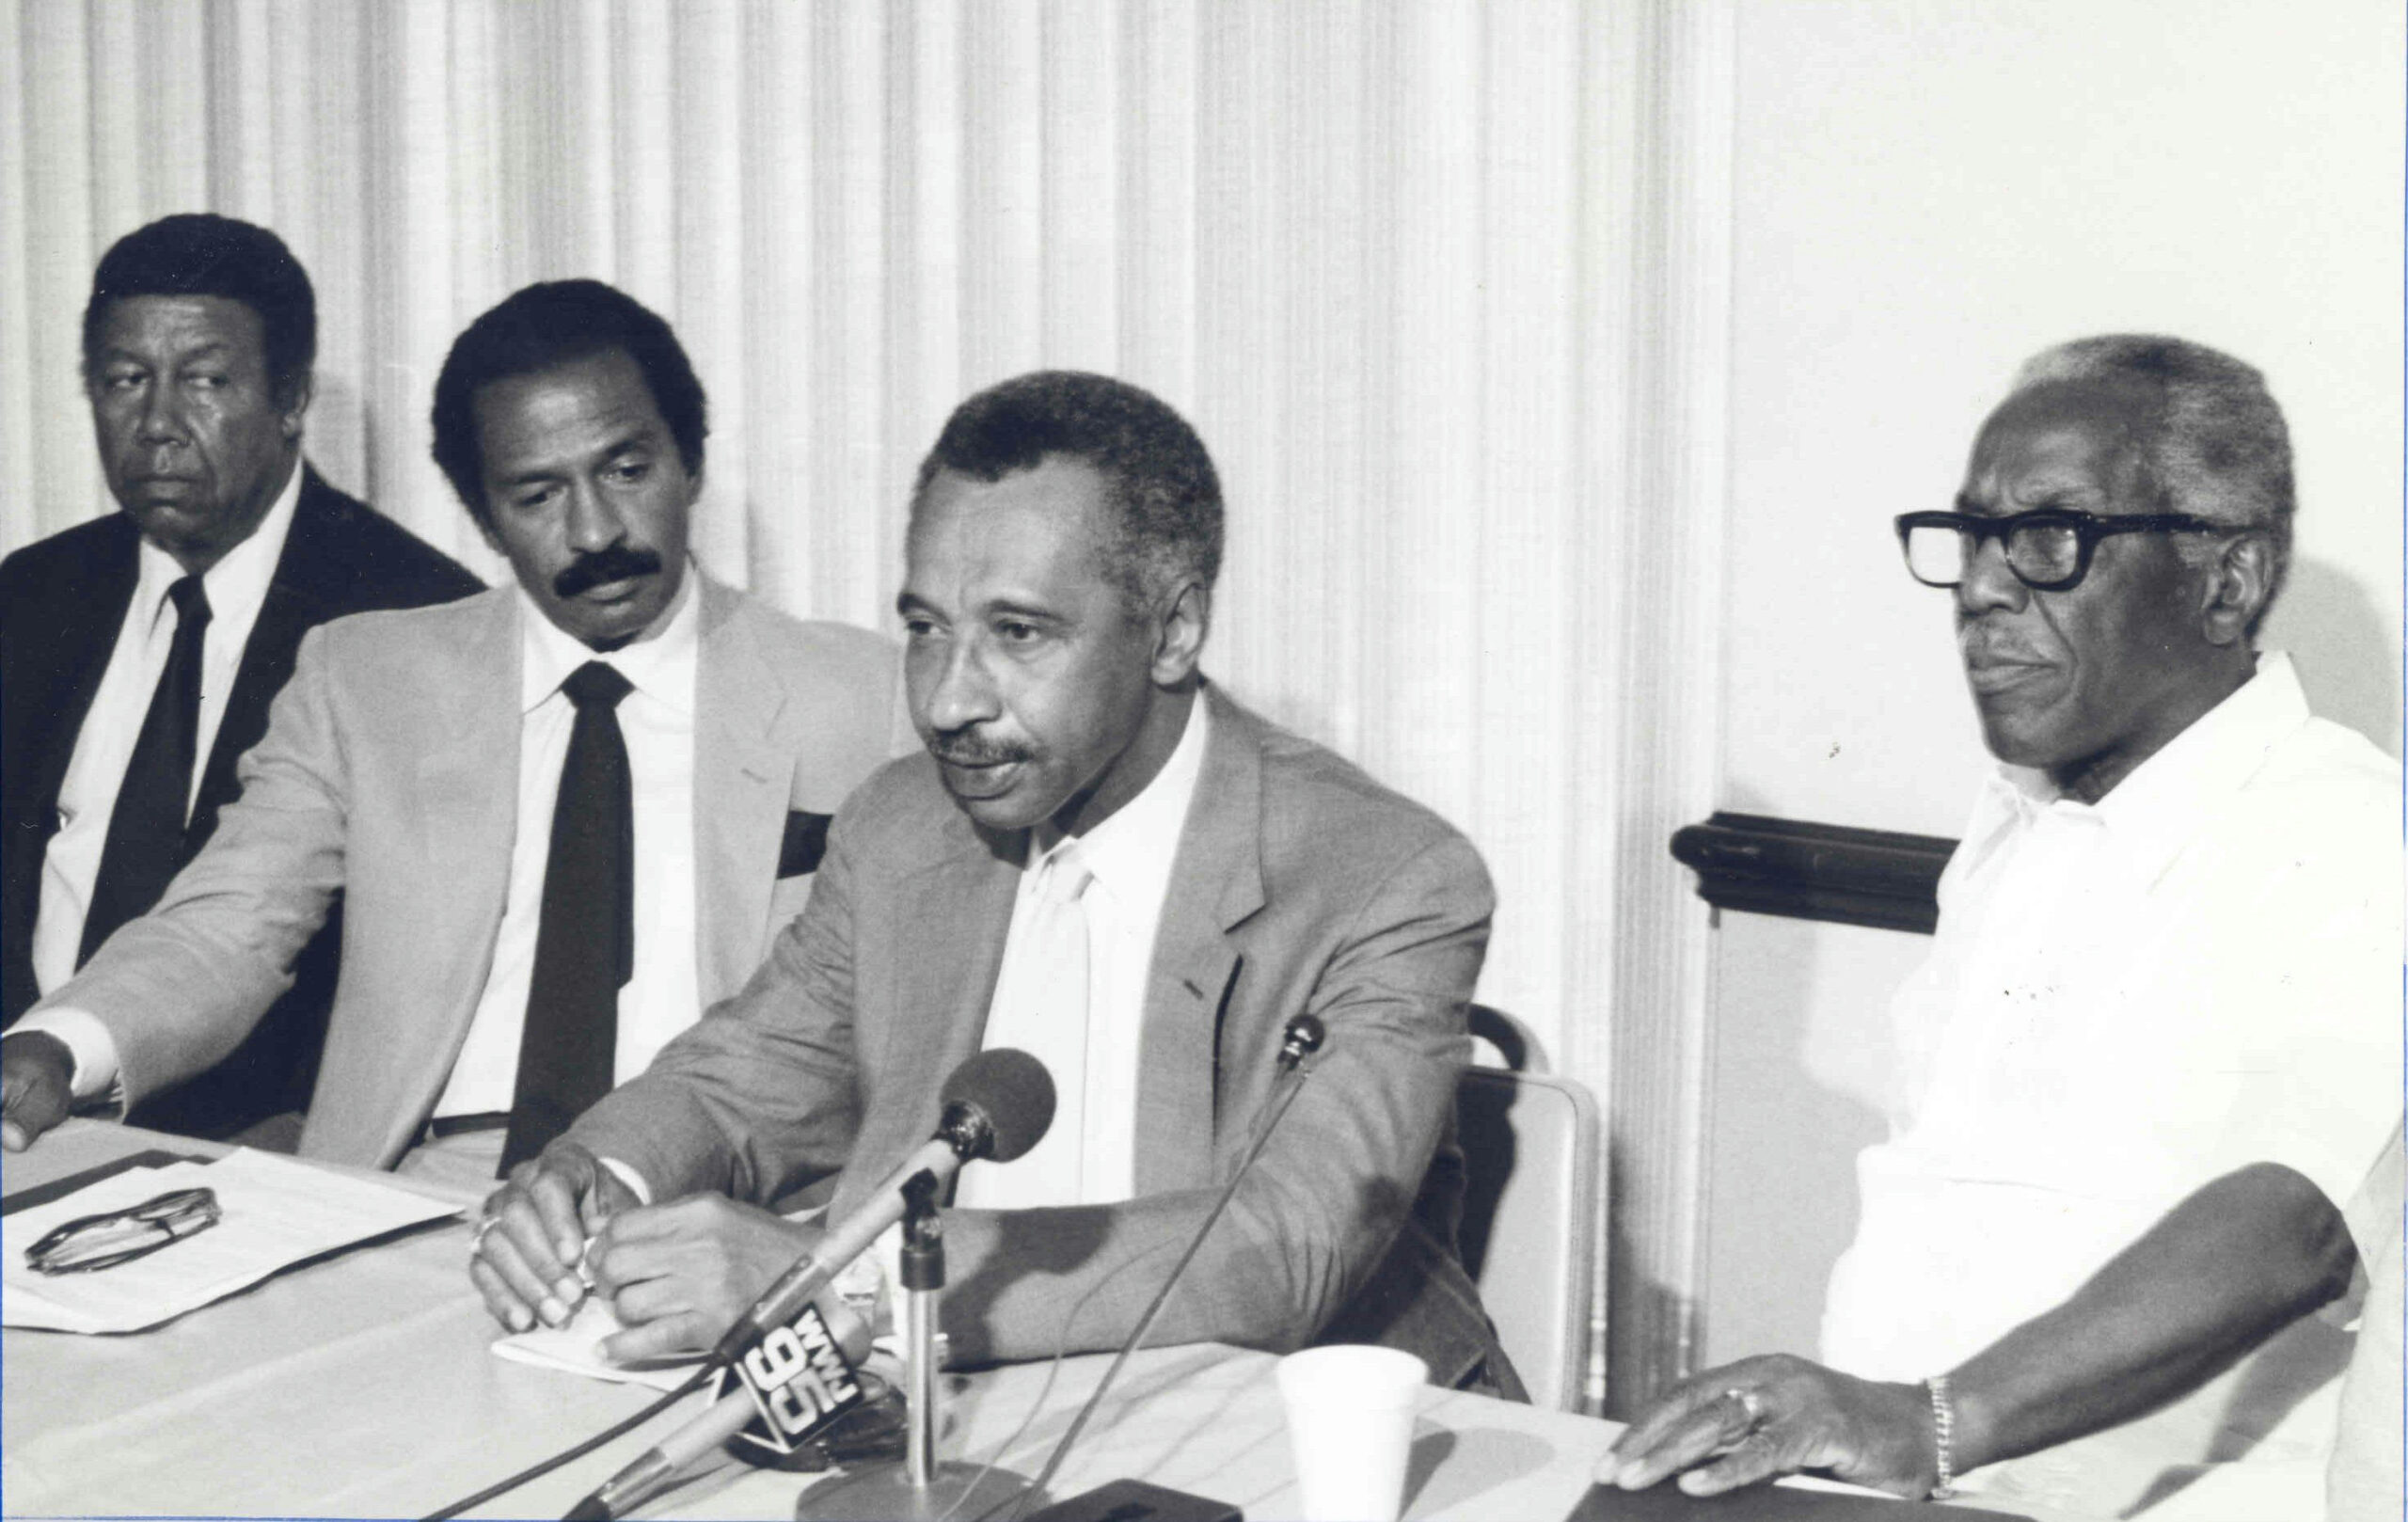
(1104, 860)
(563, 816)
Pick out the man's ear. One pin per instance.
(483, 520)
(1178, 638)
(295, 404)
(2239, 582)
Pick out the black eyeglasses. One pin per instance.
(91, 1242)
(2049, 551)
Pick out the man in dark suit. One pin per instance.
(1102, 859)
(139, 652)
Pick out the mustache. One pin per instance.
(1988, 645)
(966, 750)
(615, 563)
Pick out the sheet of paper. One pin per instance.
(276, 1212)
(576, 1349)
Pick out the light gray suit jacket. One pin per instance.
(389, 775)
(1300, 885)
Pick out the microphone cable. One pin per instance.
(1052, 1375)
(1304, 1035)
(617, 1430)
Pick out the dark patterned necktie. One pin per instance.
(585, 941)
(146, 840)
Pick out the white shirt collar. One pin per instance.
(2163, 801)
(659, 662)
(237, 585)
(1134, 848)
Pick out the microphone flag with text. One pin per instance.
(790, 1387)
(797, 1379)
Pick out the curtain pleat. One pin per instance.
(1428, 277)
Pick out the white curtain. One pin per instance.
(1442, 286)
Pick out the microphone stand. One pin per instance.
(921, 1489)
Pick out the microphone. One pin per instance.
(1300, 1039)
(997, 1104)
(797, 1374)
(794, 1384)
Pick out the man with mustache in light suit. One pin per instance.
(2157, 1041)
(564, 816)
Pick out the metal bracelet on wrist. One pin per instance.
(1943, 1438)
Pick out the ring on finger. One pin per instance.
(1750, 1404)
(483, 1228)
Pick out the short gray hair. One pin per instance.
(2217, 447)
(1163, 481)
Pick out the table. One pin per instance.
(361, 1385)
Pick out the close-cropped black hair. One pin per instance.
(548, 324)
(1163, 481)
(202, 254)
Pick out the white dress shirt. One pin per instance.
(1129, 855)
(663, 995)
(2123, 1002)
(236, 587)
(2365, 1482)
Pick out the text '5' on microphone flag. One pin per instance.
(799, 1379)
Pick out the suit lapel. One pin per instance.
(746, 735)
(87, 636)
(1215, 885)
(47, 693)
(468, 813)
(461, 807)
(296, 601)
(956, 910)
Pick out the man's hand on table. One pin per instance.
(1763, 1417)
(679, 1274)
(37, 1079)
(533, 1231)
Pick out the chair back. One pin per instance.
(1517, 1046)
(1531, 1196)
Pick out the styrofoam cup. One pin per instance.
(1350, 1422)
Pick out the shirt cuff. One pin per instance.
(629, 1176)
(87, 1041)
(868, 1282)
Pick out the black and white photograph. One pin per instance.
(1059, 760)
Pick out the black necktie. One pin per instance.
(585, 941)
(146, 839)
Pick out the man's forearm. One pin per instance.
(1027, 1284)
(2229, 1266)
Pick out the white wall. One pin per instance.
(1926, 192)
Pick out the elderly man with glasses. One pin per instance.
(2157, 1034)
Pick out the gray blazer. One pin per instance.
(389, 774)
(1300, 884)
